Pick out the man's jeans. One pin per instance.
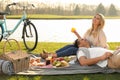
(67, 50)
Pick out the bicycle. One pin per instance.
(29, 31)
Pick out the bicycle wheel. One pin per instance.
(30, 36)
(1, 32)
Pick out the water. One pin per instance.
(60, 30)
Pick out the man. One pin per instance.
(97, 55)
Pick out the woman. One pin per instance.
(94, 35)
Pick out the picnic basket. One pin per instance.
(19, 59)
(1, 16)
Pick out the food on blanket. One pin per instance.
(67, 58)
(73, 29)
(41, 64)
(59, 59)
(62, 58)
(33, 64)
(46, 66)
(62, 63)
(31, 60)
(38, 64)
(34, 61)
(53, 60)
(58, 64)
(37, 60)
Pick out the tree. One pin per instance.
(76, 10)
(112, 11)
(101, 9)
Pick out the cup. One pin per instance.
(47, 61)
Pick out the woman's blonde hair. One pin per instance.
(100, 26)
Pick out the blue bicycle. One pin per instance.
(29, 32)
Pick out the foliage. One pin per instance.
(101, 9)
(77, 10)
(112, 11)
(64, 9)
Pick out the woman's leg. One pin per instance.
(67, 52)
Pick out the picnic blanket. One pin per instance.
(72, 69)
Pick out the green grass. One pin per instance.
(48, 16)
(51, 47)
(65, 77)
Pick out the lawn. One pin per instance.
(51, 47)
(48, 16)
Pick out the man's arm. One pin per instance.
(85, 61)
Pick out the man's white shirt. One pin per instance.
(93, 53)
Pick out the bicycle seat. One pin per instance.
(4, 13)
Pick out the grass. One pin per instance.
(65, 77)
(48, 16)
(52, 46)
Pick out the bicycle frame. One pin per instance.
(28, 27)
(7, 32)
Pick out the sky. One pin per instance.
(94, 2)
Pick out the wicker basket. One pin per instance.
(1, 17)
(19, 58)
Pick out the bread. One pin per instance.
(41, 64)
(64, 63)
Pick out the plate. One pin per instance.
(46, 67)
(41, 67)
(61, 67)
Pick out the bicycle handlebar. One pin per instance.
(21, 5)
(7, 11)
(11, 4)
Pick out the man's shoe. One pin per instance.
(44, 55)
(44, 51)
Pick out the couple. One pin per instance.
(96, 38)
(94, 35)
(88, 55)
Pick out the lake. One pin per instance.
(60, 30)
